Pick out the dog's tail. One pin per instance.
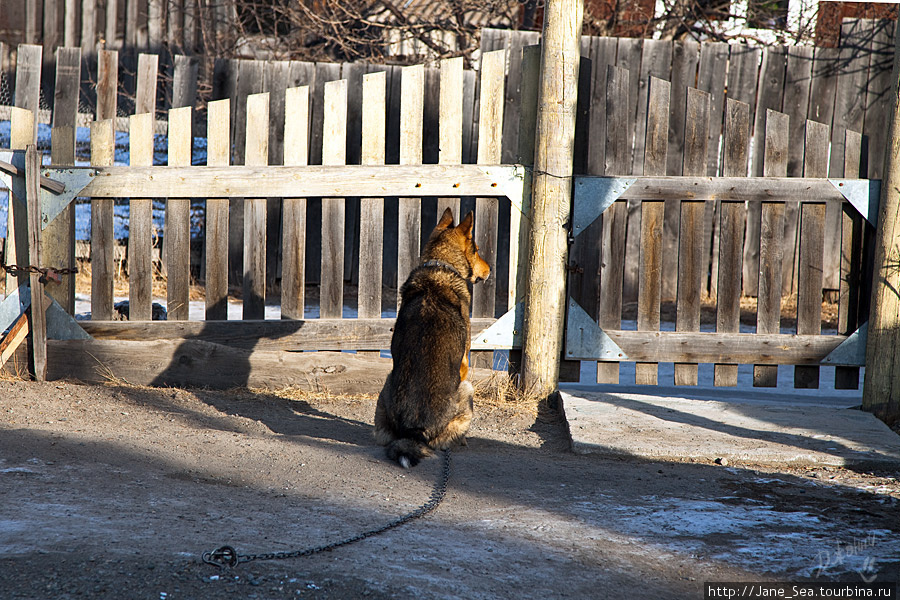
(408, 451)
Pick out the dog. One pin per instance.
(426, 402)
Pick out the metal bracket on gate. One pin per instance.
(60, 324)
(852, 351)
(863, 194)
(505, 333)
(593, 195)
(59, 186)
(586, 341)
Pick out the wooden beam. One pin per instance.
(545, 298)
(881, 392)
(305, 181)
(733, 348)
(38, 316)
(14, 338)
(198, 363)
(288, 335)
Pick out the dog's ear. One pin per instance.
(465, 226)
(446, 220)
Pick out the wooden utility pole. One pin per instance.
(881, 392)
(551, 196)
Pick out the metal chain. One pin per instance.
(227, 556)
(46, 273)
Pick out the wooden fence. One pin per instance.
(843, 88)
(711, 232)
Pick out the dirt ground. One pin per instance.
(115, 491)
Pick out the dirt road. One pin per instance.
(115, 491)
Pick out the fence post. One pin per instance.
(881, 392)
(552, 191)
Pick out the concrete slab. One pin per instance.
(748, 430)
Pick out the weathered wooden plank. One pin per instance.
(363, 334)
(140, 221)
(815, 164)
(743, 74)
(612, 254)
(769, 97)
(412, 108)
(692, 245)
(334, 152)
(50, 37)
(184, 81)
(602, 52)
(850, 96)
(16, 251)
(513, 92)
(584, 255)
(147, 75)
(811, 251)
(88, 27)
(685, 58)
(59, 234)
(652, 218)
(450, 123)
(107, 84)
(878, 96)
(771, 247)
(334, 181)
(851, 292)
(350, 334)
(296, 152)
(178, 219)
(256, 154)
(490, 141)
(422, 180)
(38, 304)
(656, 60)
(103, 149)
(371, 211)
(711, 79)
(823, 85)
(797, 84)
(13, 339)
(67, 88)
(728, 245)
(629, 53)
(196, 363)
(218, 153)
(519, 219)
(28, 79)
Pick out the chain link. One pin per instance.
(46, 273)
(227, 556)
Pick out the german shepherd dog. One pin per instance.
(426, 402)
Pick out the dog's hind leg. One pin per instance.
(384, 433)
(456, 429)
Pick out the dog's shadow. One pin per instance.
(295, 418)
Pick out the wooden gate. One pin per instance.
(697, 233)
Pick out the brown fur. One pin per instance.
(426, 402)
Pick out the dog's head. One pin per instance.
(456, 246)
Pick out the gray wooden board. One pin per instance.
(685, 58)
(878, 96)
(771, 247)
(770, 96)
(68, 87)
(656, 60)
(810, 256)
(797, 85)
(711, 79)
(184, 85)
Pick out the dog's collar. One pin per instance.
(443, 265)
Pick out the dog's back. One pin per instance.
(426, 402)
